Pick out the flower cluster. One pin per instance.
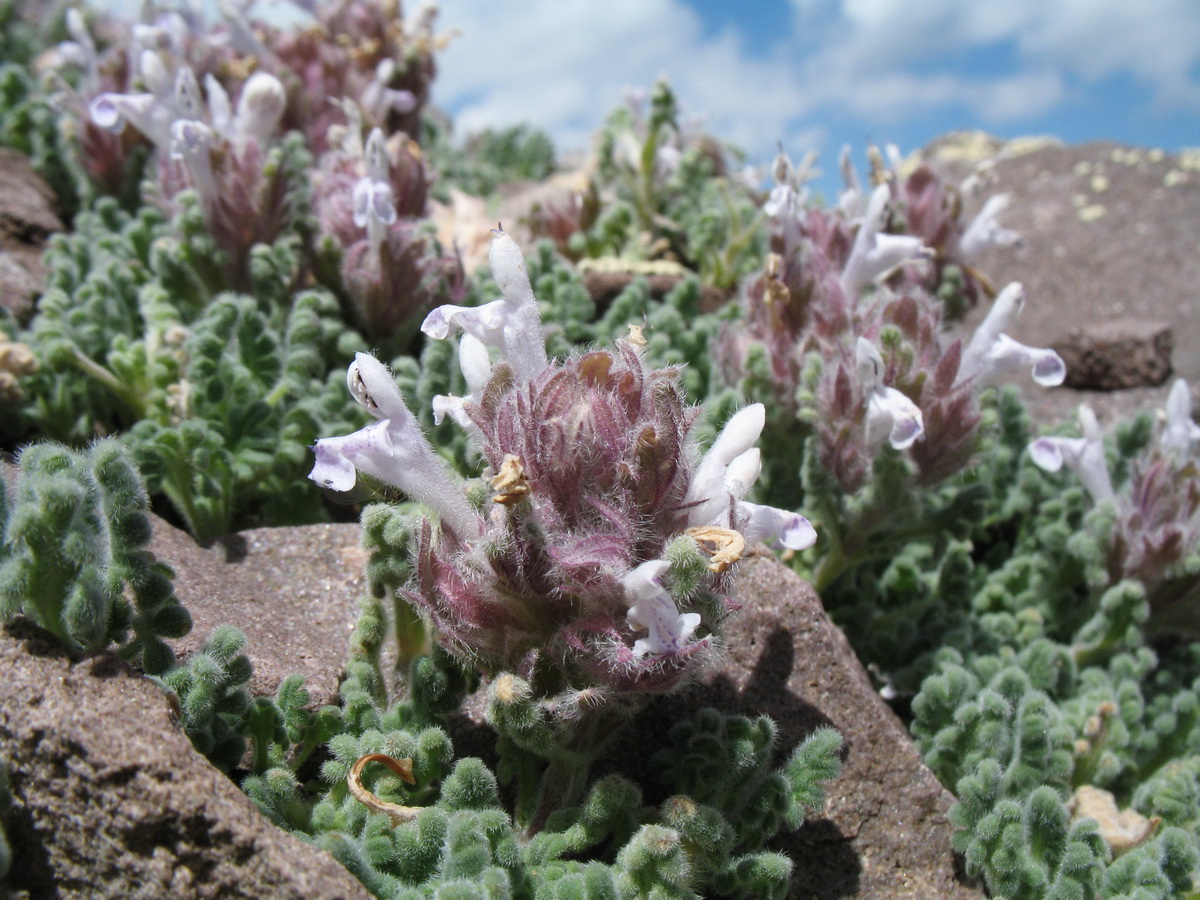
(1157, 513)
(600, 504)
(844, 289)
(376, 247)
(924, 208)
(212, 102)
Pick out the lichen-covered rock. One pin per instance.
(111, 800)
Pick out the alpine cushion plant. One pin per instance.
(590, 568)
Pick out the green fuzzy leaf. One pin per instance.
(471, 785)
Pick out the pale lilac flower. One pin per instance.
(392, 450)
(785, 204)
(512, 324)
(259, 111)
(1084, 455)
(776, 527)
(167, 32)
(374, 204)
(111, 111)
(192, 142)
(667, 160)
(191, 139)
(726, 474)
(1180, 433)
(378, 99)
(651, 607)
(151, 112)
(876, 252)
(992, 354)
(985, 232)
(742, 473)
(891, 415)
(81, 50)
(240, 33)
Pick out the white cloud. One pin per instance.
(564, 65)
(866, 65)
(1155, 41)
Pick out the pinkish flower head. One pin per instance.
(606, 540)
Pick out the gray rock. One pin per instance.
(111, 800)
(293, 591)
(27, 218)
(1117, 354)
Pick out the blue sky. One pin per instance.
(817, 74)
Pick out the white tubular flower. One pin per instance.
(985, 232)
(150, 113)
(894, 158)
(776, 527)
(259, 109)
(651, 607)
(392, 450)
(484, 323)
(1180, 433)
(379, 99)
(1084, 455)
(374, 205)
(512, 324)
(788, 196)
(188, 104)
(782, 202)
(240, 34)
(220, 110)
(667, 160)
(81, 50)
(191, 141)
(708, 495)
(991, 354)
(1006, 356)
(112, 111)
(743, 472)
(875, 252)
(476, 367)
(891, 415)
(156, 76)
(726, 474)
